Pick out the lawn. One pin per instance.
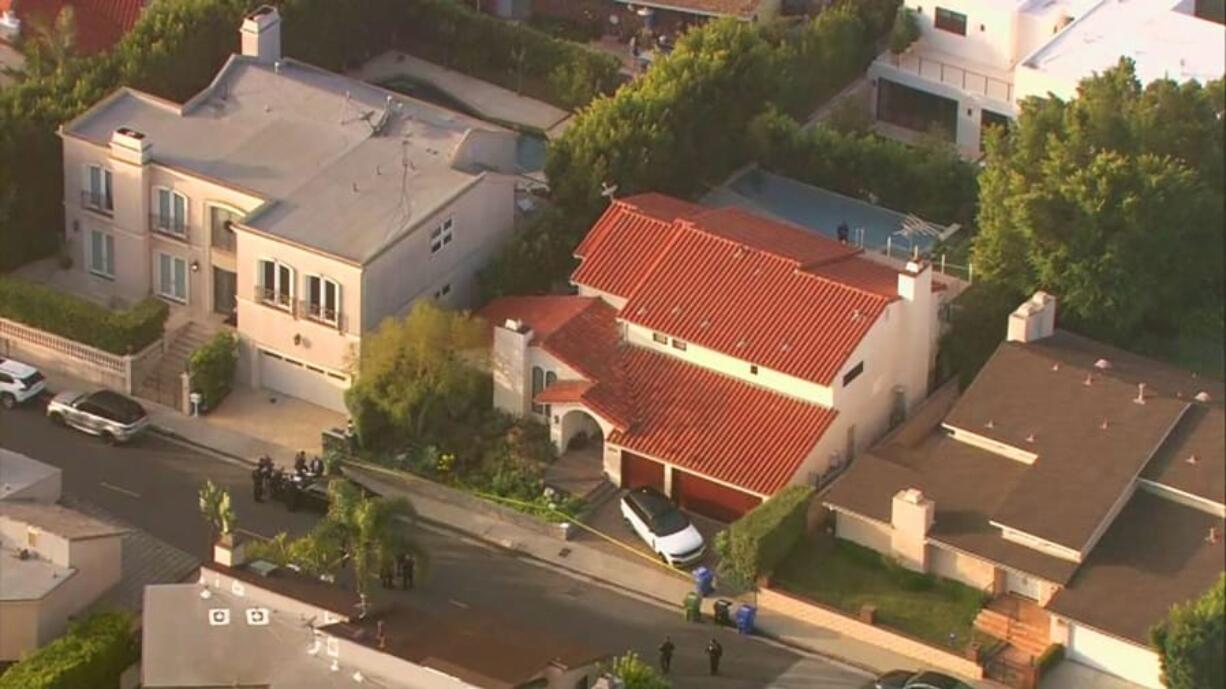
(846, 576)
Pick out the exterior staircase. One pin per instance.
(163, 384)
(1023, 636)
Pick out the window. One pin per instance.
(678, 344)
(660, 338)
(221, 234)
(97, 189)
(953, 22)
(753, 369)
(171, 214)
(172, 277)
(276, 284)
(441, 236)
(853, 373)
(538, 384)
(101, 254)
(323, 299)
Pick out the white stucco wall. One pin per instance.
(969, 570)
(866, 532)
(991, 30)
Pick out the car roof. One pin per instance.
(935, 679)
(125, 409)
(651, 500)
(16, 368)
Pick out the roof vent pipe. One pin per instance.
(1140, 394)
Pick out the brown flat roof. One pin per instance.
(1035, 397)
(1193, 460)
(298, 586)
(965, 482)
(1155, 554)
(474, 645)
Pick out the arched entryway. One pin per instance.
(579, 437)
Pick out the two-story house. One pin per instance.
(300, 206)
(976, 60)
(718, 355)
(1082, 486)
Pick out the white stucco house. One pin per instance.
(1081, 486)
(299, 206)
(717, 354)
(976, 60)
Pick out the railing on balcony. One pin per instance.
(97, 201)
(277, 300)
(223, 239)
(169, 226)
(322, 315)
(968, 80)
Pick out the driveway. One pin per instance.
(615, 536)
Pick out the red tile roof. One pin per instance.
(100, 23)
(544, 314)
(756, 289)
(661, 406)
(753, 438)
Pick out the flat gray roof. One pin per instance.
(29, 579)
(304, 140)
(18, 472)
(59, 520)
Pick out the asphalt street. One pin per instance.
(153, 484)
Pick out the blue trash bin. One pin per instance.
(704, 581)
(744, 618)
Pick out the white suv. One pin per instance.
(18, 383)
(663, 527)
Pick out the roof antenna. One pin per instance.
(607, 190)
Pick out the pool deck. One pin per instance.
(487, 100)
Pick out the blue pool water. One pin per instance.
(817, 209)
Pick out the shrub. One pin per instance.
(94, 653)
(905, 32)
(754, 544)
(634, 673)
(1049, 658)
(212, 368)
(118, 332)
(1191, 642)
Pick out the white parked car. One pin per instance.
(19, 383)
(664, 528)
(108, 415)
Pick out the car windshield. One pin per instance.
(32, 380)
(669, 522)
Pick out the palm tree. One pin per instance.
(216, 510)
(373, 530)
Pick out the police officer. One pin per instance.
(386, 576)
(257, 484)
(406, 563)
(317, 466)
(300, 463)
(666, 655)
(714, 653)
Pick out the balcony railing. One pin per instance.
(169, 226)
(223, 239)
(97, 201)
(967, 80)
(324, 316)
(278, 300)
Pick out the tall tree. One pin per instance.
(1191, 643)
(1114, 202)
(52, 41)
(414, 371)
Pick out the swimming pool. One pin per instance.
(529, 149)
(820, 210)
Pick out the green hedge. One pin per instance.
(92, 655)
(1049, 658)
(757, 542)
(931, 181)
(118, 332)
(212, 368)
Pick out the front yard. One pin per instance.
(847, 576)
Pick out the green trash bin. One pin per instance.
(692, 607)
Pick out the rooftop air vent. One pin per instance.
(1140, 398)
(1191, 460)
(1102, 364)
(1202, 396)
(1089, 379)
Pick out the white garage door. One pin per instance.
(1109, 654)
(304, 381)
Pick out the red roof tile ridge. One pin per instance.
(807, 270)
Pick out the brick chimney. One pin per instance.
(1034, 320)
(261, 34)
(911, 515)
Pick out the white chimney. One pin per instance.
(10, 26)
(261, 34)
(130, 146)
(1033, 320)
(512, 369)
(911, 515)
